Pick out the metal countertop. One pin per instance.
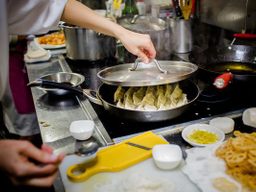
(54, 120)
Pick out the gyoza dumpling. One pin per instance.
(138, 95)
(176, 95)
(183, 100)
(168, 90)
(120, 104)
(167, 97)
(148, 101)
(119, 94)
(128, 100)
(160, 96)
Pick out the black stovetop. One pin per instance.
(209, 103)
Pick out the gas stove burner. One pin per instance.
(212, 95)
(51, 101)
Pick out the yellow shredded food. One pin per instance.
(203, 137)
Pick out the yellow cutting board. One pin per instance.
(116, 157)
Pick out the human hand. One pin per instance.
(27, 165)
(139, 45)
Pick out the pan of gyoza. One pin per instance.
(147, 92)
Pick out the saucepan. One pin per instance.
(105, 93)
(105, 97)
(222, 65)
(86, 44)
(71, 79)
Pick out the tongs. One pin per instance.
(186, 8)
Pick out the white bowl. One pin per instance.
(200, 126)
(81, 129)
(167, 156)
(225, 124)
(249, 117)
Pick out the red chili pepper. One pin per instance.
(223, 80)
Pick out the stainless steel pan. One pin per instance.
(105, 96)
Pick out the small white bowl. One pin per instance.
(81, 129)
(200, 126)
(225, 124)
(249, 117)
(167, 156)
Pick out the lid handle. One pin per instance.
(138, 60)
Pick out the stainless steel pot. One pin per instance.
(156, 28)
(86, 44)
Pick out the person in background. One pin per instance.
(21, 161)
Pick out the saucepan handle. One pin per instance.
(92, 96)
(222, 81)
(138, 60)
(54, 85)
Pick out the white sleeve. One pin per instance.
(34, 16)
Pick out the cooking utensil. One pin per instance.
(85, 151)
(140, 74)
(86, 44)
(116, 157)
(86, 148)
(186, 8)
(239, 61)
(105, 96)
(177, 9)
(71, 79)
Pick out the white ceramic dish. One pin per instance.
(167, 156)
(200, 126)
(81, 129)
(225, 124)
(249, 117)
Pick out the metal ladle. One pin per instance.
(86, 148)
(85, 151)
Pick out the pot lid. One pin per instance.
(147, 74)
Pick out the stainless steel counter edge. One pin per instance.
(177, 128)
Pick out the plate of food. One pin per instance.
(52, 41)
(226, 166)
(202, 135)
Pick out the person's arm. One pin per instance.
(27, 165)
(138, 44)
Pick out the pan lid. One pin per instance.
(147, 74)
